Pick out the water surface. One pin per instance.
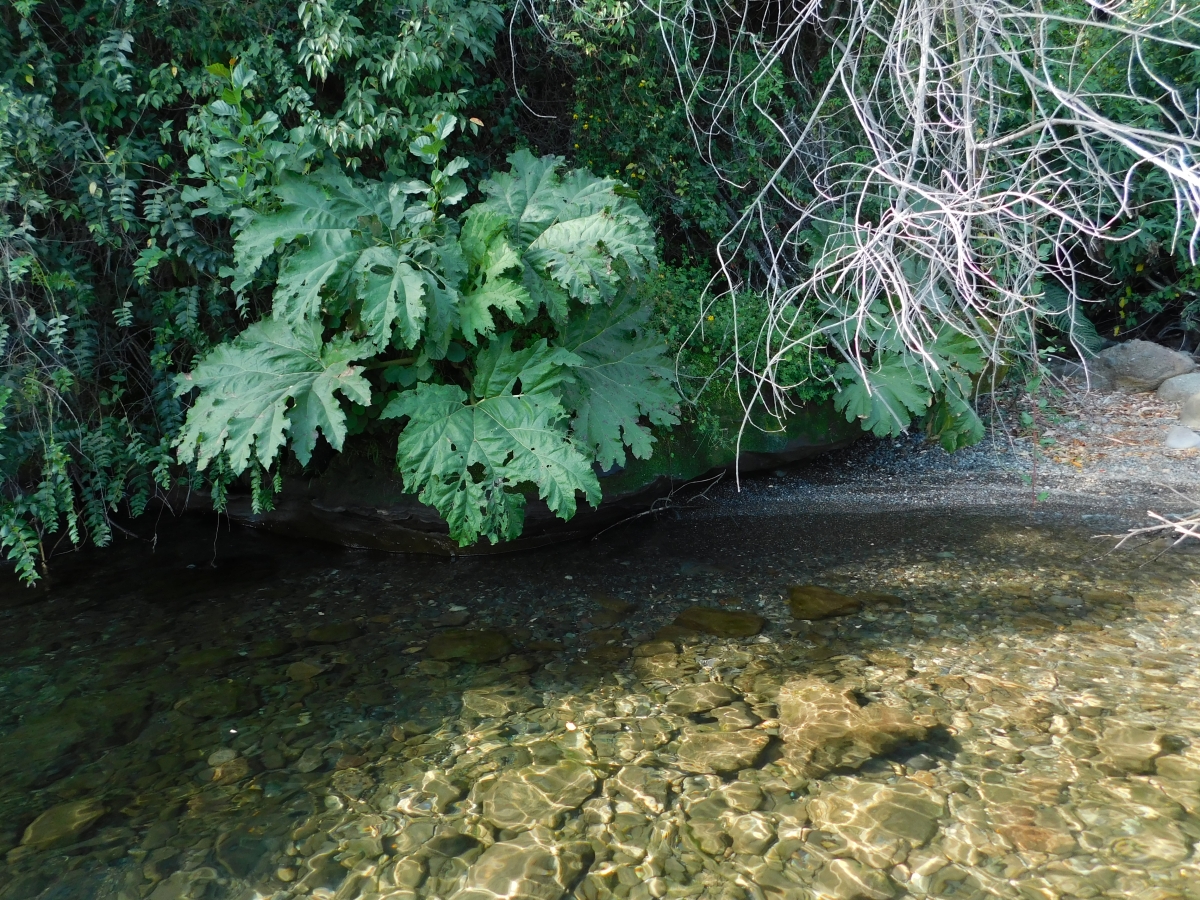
(1002, 709)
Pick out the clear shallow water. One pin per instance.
(1007, 713)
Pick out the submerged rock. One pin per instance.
(699, 698)
(844, 879)
(532, 866)
(219, 699)
(881, 823)
(824, 728)
(494, 702)
(645, 786)
(1128, 748)
(667, 666)
(63, 824)
(334, 633)
(536, 795)
(469, 646)
(811, 601)
(720, 622)
(205, 660)
(721, 752)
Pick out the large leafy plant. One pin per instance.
(506, 342)
(130, 134)
(897, 384)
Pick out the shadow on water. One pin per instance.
(992, 708)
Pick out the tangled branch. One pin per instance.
(953, 164)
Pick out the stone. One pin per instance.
(532, 866)
(1181, 438)
(812, 602)
(729, 623)
(845, 879)
(219, 699)
(222, 756)
(1130, 748)
(706, 752)
(272, 760)
(433, 797)
(751, 833)
(205, 660)
(536, 795)
(1149, 842)
(240, 851)
(1138, 366)
(39, 747)
(1036, 839)
(824, 728)
(668, 666)
(1189, 416)
(653, 648)
(132, 659)
(642, 785)
(881, 823)
(879, 597)
(734, 717)
(304, 670)
(270, 649)
(63, 824)
(352, 782)
(192, 884)
(613, 604)
(889, 659)
(495, 702)
(409, 873)
(469, 646)
(310, 760)
(740, 795)
(334, 633)
(233, 771)
(602, 636)
(159, 835)
(698, 698)
(1179, 388)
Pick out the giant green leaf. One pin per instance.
(624, 376)
(500, 370)
(271, 379)
(392, 295)
(475, 308)
(324, 261)
(469, 459)
(578, 237)
(489, 255)
(893, 391)
(579, 254)
(954, 422)
(324, 207)
(523, 195)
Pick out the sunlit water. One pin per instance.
(1002, 710)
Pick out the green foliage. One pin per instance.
(899, 386)
(271, 379)
(384, 266)
(627, 120)
(301, 205)
(717, 341)
(133, 140)
(470, 458)
(620, 379)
